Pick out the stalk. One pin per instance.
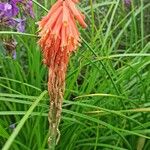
(56, 90)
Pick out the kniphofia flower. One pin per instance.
(59, 37)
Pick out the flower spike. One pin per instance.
(59, 37)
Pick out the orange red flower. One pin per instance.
(59, 37)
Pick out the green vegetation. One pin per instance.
(107, 98)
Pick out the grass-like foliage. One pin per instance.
(107, 98)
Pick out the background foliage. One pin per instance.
(107, 101)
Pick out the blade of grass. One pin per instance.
(22, 121)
